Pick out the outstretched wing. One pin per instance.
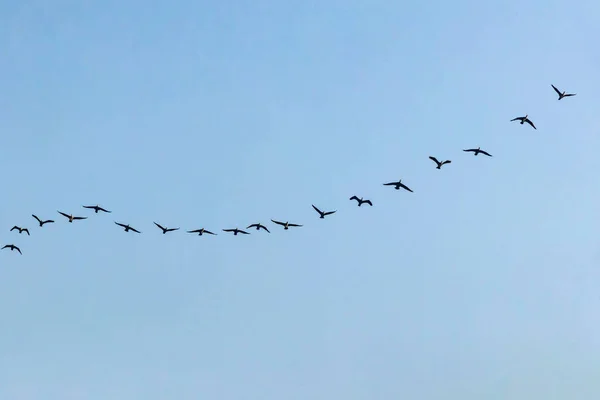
(556, 90)
(354, 198)
(26, 230)
(209, 232)
(159, 226)
(473, 150)
(368, 202)
(516, 119)
(329, 212)
(63, 214)
(172, 229)
(79, 218)
(92, 207)
(252, 226)
(446, 162)
(294, 225)
(13, 228)
(122, 225)
(570, 94)
(35, 216)
(402, 185)
(278, 222)
(485, 152)
(244, 232)
(530, 123)
(18, 249)
(135, 230)
(317, 210)
(103, 209)
(390, 184)
(263, 227)
(434, 160)
(228, 230)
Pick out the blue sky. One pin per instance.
(483, 283)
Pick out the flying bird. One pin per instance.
(21, 230)
(398, 185)
(201, 231)
(439, 164)
(236, 231)
(361, 201)
(285, 225)
(165, 230)
(478, 150)
(12, 247)
(97, 208)
(127, 227)
(258, 227)
(48, 221)
(562, 94)
(523, 120)
(71, 217)
(323, 213)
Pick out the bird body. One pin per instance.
(12, 247)
(361, 201)
(285, 225)
(21, 230)
(439, 164)
(71, 217)
(477, 151)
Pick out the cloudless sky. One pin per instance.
(482, 284)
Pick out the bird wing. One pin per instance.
(446, 162)
(264, 227)
(485, 152)
(123, 225)
(434, 159)
(252, 226)
(244, 232)
(368, 202)
(13, 228)
(228, 230)
(354, 198)
(209, 232)
(26, 230)
(329, 212)
(6, 246)
(402, 185)
(103, 209)
(172, 229)
(317, 210)
(516, 119)
(570, 94)
(390, 184)
(530, 123)
(79, 217)
(278, 223)
(294, 225)
(18, 249)
(135, 230)
(89, 207)
(159, 226)
(62, 213)
(195, 231)
(470, 150)
(38, 220)
(48, 221)
(556, 90)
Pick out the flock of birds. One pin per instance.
(258, 226)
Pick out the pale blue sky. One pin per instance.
(483, 283)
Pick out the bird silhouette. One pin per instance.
(127, 227)
(285, 225)
(477, 151)
(48, 221)
(562, 94)
(12, 247)
(258, 227)
(202, 231)
(439, 164)
(70, 216)
(361, 201)
(236, 231)
(97, 208)
(323, 213)
(398, 185)
(165, 230)
(523, 120)
(21, 230)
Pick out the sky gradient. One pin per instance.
(483, 283)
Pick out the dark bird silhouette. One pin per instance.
(523, 120)
(71, 217)
(258, 227)
(323, 214)
(12, 247)
(97, 208)
(439, 164)
(48, 221)
(21, 230)
(236, 231)
(361, 201)
(127, 227)
(200, 232)
(478, 150)
(398, 185)
(285, 225)
(165, 230)
(562, 94)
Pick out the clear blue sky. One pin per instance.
(483, 283)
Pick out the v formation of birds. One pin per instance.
(258, 226)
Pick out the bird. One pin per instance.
(478, 150)
(562, 94)
(71, 217)
(97, 208)
(361, 201)
(439, 164)
(523, 120)
(165, 230)
(12, 247)
(398, 185)
(285, 225)
(48, 221)
(323, 213)
(201, 231)
(127, 227)
(258, 227)
(21, 230)
(236, 231)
